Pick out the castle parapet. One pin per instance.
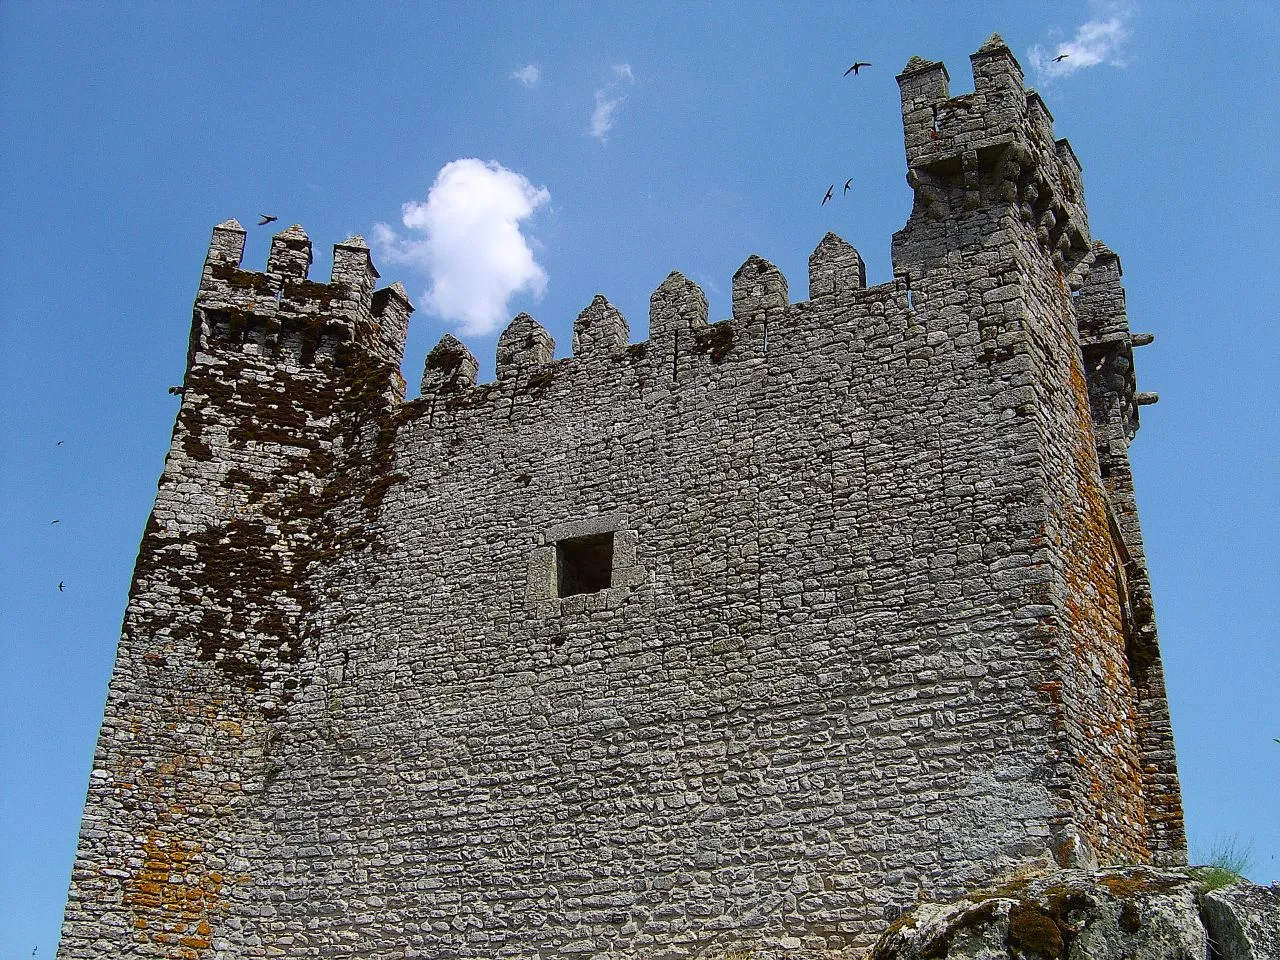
(281, 310)
(835, 268)
(227, 245)
(391, 310)
(523, 347)
(290, 256)
(678, 304)
(680, 337)
(993, 145)
(600, 329)
(759, 298)
(450, 367)
(353, 268)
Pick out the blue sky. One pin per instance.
(655, 137)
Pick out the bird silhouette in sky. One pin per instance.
(52, 522)
(61, 584)
(58, 444)
(266, 219)
(856, 68)
(830, 191)
(847, 183)
(1060, 57)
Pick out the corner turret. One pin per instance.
(283, 313)
(285, 379)
(991, 147)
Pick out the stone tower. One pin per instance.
(745, 636)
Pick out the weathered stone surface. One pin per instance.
(743, 638)
(1132, 913)
(1243, 922)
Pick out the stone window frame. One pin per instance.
(541, 592)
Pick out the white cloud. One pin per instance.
(469, 243)
(605, 115)
(1099, 40)
(528, 75)
(609, 101)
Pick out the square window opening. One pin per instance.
(584, 564)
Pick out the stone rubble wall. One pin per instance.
(870, 635)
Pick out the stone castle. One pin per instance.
(743, 638)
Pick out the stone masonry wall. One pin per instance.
(283, 374)
(869, 636)
(1107, 346)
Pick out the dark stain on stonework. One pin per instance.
(324, 440)
(470, 398)
(312, 292)
(447, 363)
(239, 279)
(540, 381)
(197, 449)
(716, 340)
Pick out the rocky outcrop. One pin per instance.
(1135, 913)
(1243, 922)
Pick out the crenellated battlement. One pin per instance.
(993, 145)
(681, 340)
(282, 312)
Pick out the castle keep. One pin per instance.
(746, 636)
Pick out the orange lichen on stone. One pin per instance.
(172, 893)
(1107, 754)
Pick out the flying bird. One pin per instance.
(830, 190)
(856, 68)
(58, 444)
(52, 522)
(1060, 57)
(847, 183)
(266, 219)
(61, 584)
